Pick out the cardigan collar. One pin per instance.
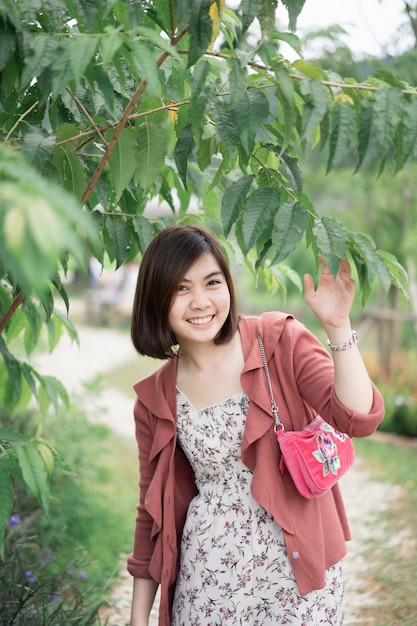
(157, 392)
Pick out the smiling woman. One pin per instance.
(202, 303)
(163, 277)
(219, 527)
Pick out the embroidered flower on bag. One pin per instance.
(327, 453)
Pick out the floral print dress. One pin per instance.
(234, 568)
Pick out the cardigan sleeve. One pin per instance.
(138, 561)
(314, 377)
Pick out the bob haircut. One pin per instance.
(164, 265)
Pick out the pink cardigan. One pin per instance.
(315, 530)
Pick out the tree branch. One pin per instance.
(22, 117)
(122, 123)
(87, 115)
(11, 310)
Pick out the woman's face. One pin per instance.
(201, 303)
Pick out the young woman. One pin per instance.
(226, 536)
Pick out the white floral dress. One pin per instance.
(234, 568)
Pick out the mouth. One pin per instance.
(200, 321)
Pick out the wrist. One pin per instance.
(336, 345)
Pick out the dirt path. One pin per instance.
(100, 351)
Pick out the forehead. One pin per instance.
(203, 267)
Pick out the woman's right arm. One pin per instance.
(144, 590)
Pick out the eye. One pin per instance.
(213, 282)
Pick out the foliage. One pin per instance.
(107, 105)
(33, 590)
(31, 462)
(56, 568)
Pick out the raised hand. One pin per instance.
(332, 301)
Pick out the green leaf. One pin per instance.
(61, 70)
(341, 134)
(258, 215)
(82, 50)
(286, 97)
(397, 274)
(237, 80)
(70, 170)
(38, 148)
(123, 160)
(13, 368)
(290, 223)
(144, 232)
(47, 302)
(226, 126)
(51, 390)
(183, 151)
(68, 325)
(250, 10)
(6, 499)
(294, 8)
(233, 202)
(16, 325)
(315, 107)
(407, 135)
(110, 44)
(201, 28)
(206, 149)
(368, 147)
(33, 328)
(43, 48)
(332, 241)
(182, 12)
(29, 377)
(151, 153)
(251, 112)
(197, 109)
(152, 36)
(290, 166)
(389, 78)
(387, 107)
(289, 38)
(146, 61)
(120, 237)
(266, 16)
(34, 472)
(359, 257)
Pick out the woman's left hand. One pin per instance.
(332, 301)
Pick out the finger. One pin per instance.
(344, 267)
(324, 267)
(308, 286)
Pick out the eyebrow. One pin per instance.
(215, 273)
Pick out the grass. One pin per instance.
(392, 575)
(124, 376)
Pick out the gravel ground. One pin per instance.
(100, 351)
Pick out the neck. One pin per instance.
(204, 356)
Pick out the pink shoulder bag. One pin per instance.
(317, 456)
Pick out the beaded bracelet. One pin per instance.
(344, 346)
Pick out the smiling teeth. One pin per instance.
(201, 320)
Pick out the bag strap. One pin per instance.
(274, 406)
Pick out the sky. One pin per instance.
(371, 24)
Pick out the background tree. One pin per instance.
(106, 105)
(383, 206)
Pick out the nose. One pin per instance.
(200, 299)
